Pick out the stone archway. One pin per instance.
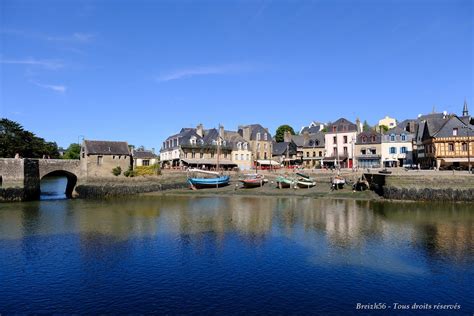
(71, 180)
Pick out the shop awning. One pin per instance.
(222, 162)
(268, 162)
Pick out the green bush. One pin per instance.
(117, 171)
(130, 173)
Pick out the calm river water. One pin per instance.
(187, 254)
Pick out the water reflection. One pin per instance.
(231, 254)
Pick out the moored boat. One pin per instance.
(304, 181)
(283, 182)
(338, 182)
(253, 180)
(207, 182)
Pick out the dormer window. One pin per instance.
(374, 139)
(239, 145)
(193, 140)
(346, 128)
(392, 137)
(364, 139)
(258, 136)
(245, 146)
(404, 137)
(265, 137)
(214, 142)
(334, 128)
(223, 143)
(455, 132)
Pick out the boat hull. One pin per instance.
(284, 183)
(253, 183)
(305, 184)
(201, 183)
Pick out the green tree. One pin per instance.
(366, 126)
(280, 132)
(73, 152)
(16, 140)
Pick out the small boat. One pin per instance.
(283, 182)
(304, 181)
(253, 180)
(212, 182)
(338, 182)
(361, 185)
(385, 171)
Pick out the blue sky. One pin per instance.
(141, 70)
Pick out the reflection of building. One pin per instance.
(98, 157)
(368, 149)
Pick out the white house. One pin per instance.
(397, 145)
(340, 140)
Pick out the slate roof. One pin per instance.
(368, 135)
(313, 140)
(144, 154)
(257, 128)
(279, 149)
(233, 138)
(100, 147)
(340, 123)
(452, 122)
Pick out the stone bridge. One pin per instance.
(20, 179)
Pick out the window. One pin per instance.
(236, 157)
(201, 155)
(185, 155)
(335, 139)
(248, 156)
(345, 150)
(245, 146)
(455, 132)
(193, 141)
(265, 155)
(364, 139)
(314, 154)
(374, 139)
(258, 146)
(265, 137)
(320, 154)
(464, 146)
(404, 137)
(393, 150)
(241, 156)
(265, 146)
(451, 146)
(345, 139)
(83, 155)
(225, 155)
(334, 128)
(363, 151)
(146, 162)
(346, 128)
(212, 155)
(258, 136)
(392, 137)
(113, 157)
(403, 150)
(193, 154)
(99, 160)
(307, 154)
(239, 145)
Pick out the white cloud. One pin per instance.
(74, 38)
(45, 63)
(205, 70)
(56, 88)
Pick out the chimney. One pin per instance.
(221, 131)
(200, 130)
(244, 131)
(359, 126)
(287, 136)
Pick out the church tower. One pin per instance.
(465, 111)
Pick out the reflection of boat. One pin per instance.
(304, 181)
(338, 182)
(283, 182)
(253, 180)
(211, 182)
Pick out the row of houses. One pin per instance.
(435, 140)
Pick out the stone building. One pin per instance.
(241, 151)
(285, 153)
(368, 149)
(310, 147)
(260, 140)
(198, 147)
(142, 157)
(339, 143)
(98, 158)
(397, 145)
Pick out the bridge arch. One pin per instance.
(71, 180)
